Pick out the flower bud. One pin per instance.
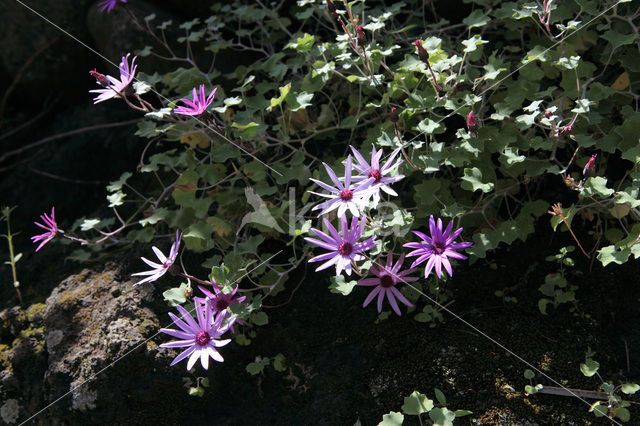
(360, 33)
(332, 8)
(548, 114)
(422, 53)
(394, 115)
(590, 167)
(472, 121)
(101, 79)
(566, 129)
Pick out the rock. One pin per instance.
(89, 353)
(93, 319)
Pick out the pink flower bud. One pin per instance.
(332, 8)
(590, 167)
(360, 33)
(472, 121)
(566, 129)
(422, 53)
(394, 115)
(100, 78)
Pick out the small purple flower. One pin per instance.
(116, 88)
(199, 337)
(386, 278)
(377, 174)
(437, 248)
(159, 269)
(221, 301)
(342, 249)
(108, 5)
(50, 226)
(343, 196)
(590, 167)
(199, 104)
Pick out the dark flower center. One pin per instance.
(438, 248)
(346, 195)
(345, 248)
(202, 338)
(386, 281)
(221, 304)
(376, 175)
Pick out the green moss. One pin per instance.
(37, 332)
(4, 357)
(34, 312)
(67, 297)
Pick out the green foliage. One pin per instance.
(417, 404)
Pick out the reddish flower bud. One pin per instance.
(590, 167)
(422, 53)
(472, 121)
(566, 129)
(332, 8)
(101, 79)
(360, 33)
(394, 115)
(548, 114)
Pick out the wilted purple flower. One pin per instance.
(590, 167)
(159, 269)
(116, 88)
(342, 249)
(50, 226)
(377, 174)
(387, 277)
(199, 104)
(199, 337)
(343, 196)
(437, 248)
(109, 4)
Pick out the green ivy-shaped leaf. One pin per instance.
(472, 181)
(416, 404)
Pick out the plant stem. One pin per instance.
(12, 261)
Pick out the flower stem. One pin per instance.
(12, 258)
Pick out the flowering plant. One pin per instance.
(401, 129)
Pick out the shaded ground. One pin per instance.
(342, 366)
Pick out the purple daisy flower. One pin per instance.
(376, 172)
(200, 337)
(199, 104)
(387, 277)
(116, 88)
(437, 248)
(50, 226)
(221, 301)
(344, 196)
(342, 249)
(159, 269)
(108, 5)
